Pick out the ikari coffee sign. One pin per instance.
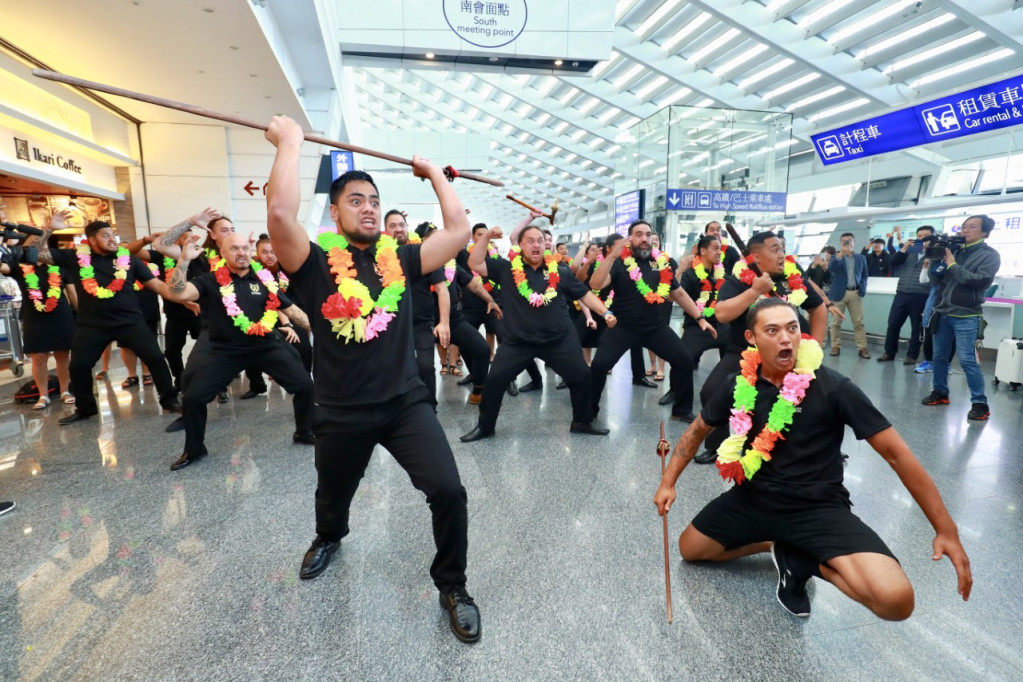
(486, 24)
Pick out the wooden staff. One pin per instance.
(663, 448)
(548, 216)
(449, 171)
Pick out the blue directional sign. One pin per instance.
(628, 207)
(725, 201)
(340, 163)
(989, 107)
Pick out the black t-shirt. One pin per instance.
(631, 309)
(474, 305)
(602, 293)
(349, 374)
(27, 306)
(807, 464)
(737, 327)
(525, 323)
(729, 258)
(123, 307)
(424, 303)
(251, 295)
(196, 268)
(692, 285)
(457, 290)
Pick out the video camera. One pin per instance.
(937, 243)
(13, 232)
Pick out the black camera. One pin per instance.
(937, 243)
(11, 235)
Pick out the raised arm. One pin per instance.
(178, 289)
(444, 244)
(601, 277)
(478, 255)
(533, 215)
(900, 458)
(283, 195)
(735, 307)
(57, 222)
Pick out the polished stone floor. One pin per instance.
(113, 567)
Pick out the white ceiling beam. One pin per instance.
(995, 18)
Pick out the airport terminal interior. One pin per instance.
(156, 517)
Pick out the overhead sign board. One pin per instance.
(989, 107)
(724, 201)
(628, 207)
(486, 24)
(340, 163)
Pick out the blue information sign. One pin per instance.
(989, 107)
(628, 207)
(340, 162)
(724, 201)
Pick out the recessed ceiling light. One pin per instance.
(429, 55)
(233, 47)
(252, 75)
(558, 62)
(208, 10)
(493, 59)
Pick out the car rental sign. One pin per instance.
(989, 107)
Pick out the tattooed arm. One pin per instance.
(297, 316)
(58, 222)
(178, 289)
(685, 450)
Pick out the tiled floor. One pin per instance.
(114, 567)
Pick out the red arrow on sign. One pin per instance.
(250, 188)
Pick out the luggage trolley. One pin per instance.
(10, 336)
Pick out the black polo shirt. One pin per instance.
(251, 295)
(474, 305)
(729, 258)
(458, 290)
(806, 466)
(631, 309)
(123, 307)
(424, 303)
(602, 294)
(196, 268)
(691, 284)
(350, 374)
(737, 328)
(525, 323)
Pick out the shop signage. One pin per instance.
(989, 107)
(486, 24)
(725, 201)
(21, 151)
(628, 207)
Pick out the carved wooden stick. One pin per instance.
(663, 447)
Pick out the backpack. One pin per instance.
(29, 393)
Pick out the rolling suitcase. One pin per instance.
(1009, 365)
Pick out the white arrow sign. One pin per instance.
(673, 199)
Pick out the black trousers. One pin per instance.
(423, 341)
(175, 334)
(407, 427)
(903, 306)
(88, 346)
(474, 349)
(729, 364)
(662, 341)
(209, 371)
(496, 327)
(563, 356)
(305, 352)
(698, 342)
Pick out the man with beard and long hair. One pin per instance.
(355, 283)
(645, 286)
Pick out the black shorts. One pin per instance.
(741, 517)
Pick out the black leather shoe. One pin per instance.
(706, 457)
(301, 438)
(222, 397)
(531, 386)
(171, 405)
(476, 434)
(175, 426)
(467, 380)
(250, 394)
(683, 417)
(186, 460)
(644, 382)
(76, 416)
(463, 614)
(581, 427)
(667, 399)
(561, 385)
(513, 390)
(317, 557)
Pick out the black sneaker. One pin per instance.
(791, 581)
(463, 614)
(6, 507)
(979, 412)
(936, 398)
(706, 457)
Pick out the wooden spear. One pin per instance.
(663, 448)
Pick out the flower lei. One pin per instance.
(268, 321)
(213, 257)
(168, 268)
(662, 266)
(708, 292)
(797, 293)
(488, 284)
(35, 293)
(352, 312)
(282, 281)
(153, 268)
(449, 274)
(519, 276)
(88, 275)
(732, 464)
(414, 238)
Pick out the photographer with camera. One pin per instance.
(910, 297)
(970, 268)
